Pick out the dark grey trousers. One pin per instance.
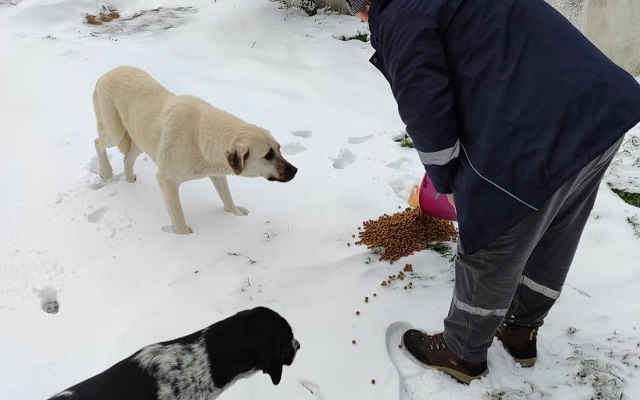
(518, 277)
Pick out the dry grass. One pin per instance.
(108, 14)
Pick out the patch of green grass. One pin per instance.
(406, 142)
(628, 197)
(440, 247)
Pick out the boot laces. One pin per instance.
(437, 342)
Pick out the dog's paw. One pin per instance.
(239, 211)
(181, 231)
(130, 179)
(105, 171)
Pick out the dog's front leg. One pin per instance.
(222, 187)
(171, 195)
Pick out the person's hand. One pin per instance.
(452, 201)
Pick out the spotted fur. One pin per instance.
(198, 366)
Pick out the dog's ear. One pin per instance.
(237, 154)
(271, 361)
(275, 370)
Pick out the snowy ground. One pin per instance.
(122, 282)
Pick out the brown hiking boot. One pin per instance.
(432, 351)
(520, 342)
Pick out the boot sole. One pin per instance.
(457, 375)
(526, 362)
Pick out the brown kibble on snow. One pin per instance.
(373, 381)
(404, 233)
(374, 295)
(357, 312)
(366, 299)
(353, 341)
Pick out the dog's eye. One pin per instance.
(270, 155)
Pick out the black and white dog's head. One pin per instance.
(251, 340)
(200, 365)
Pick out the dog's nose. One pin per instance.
(296, 344)
(286, 174)
(291, 170)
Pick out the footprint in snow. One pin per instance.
(97, 183)
(358, 139)
(302, 134)
(343, 159)
(400, 164)
(97, 215)
(292, 149)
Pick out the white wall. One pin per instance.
(612, 25)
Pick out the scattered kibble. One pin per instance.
(353, 341)
(357, 312)
(366, 299)
(373, 381)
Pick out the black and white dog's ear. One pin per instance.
(271, 361)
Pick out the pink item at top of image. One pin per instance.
(434, 204)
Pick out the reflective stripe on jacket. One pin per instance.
(504, 100)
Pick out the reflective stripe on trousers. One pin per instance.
(519, 276)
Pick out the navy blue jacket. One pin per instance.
(504, 100)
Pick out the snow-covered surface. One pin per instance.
(122, 282)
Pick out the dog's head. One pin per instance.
(255, 152)
(255, 339)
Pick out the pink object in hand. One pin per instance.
(434, 204)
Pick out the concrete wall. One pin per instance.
(612, 25)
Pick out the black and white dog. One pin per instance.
(198, 366)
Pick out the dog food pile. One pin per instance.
(404, 233)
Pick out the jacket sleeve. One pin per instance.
(421, 84)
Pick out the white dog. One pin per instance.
(185, 136)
